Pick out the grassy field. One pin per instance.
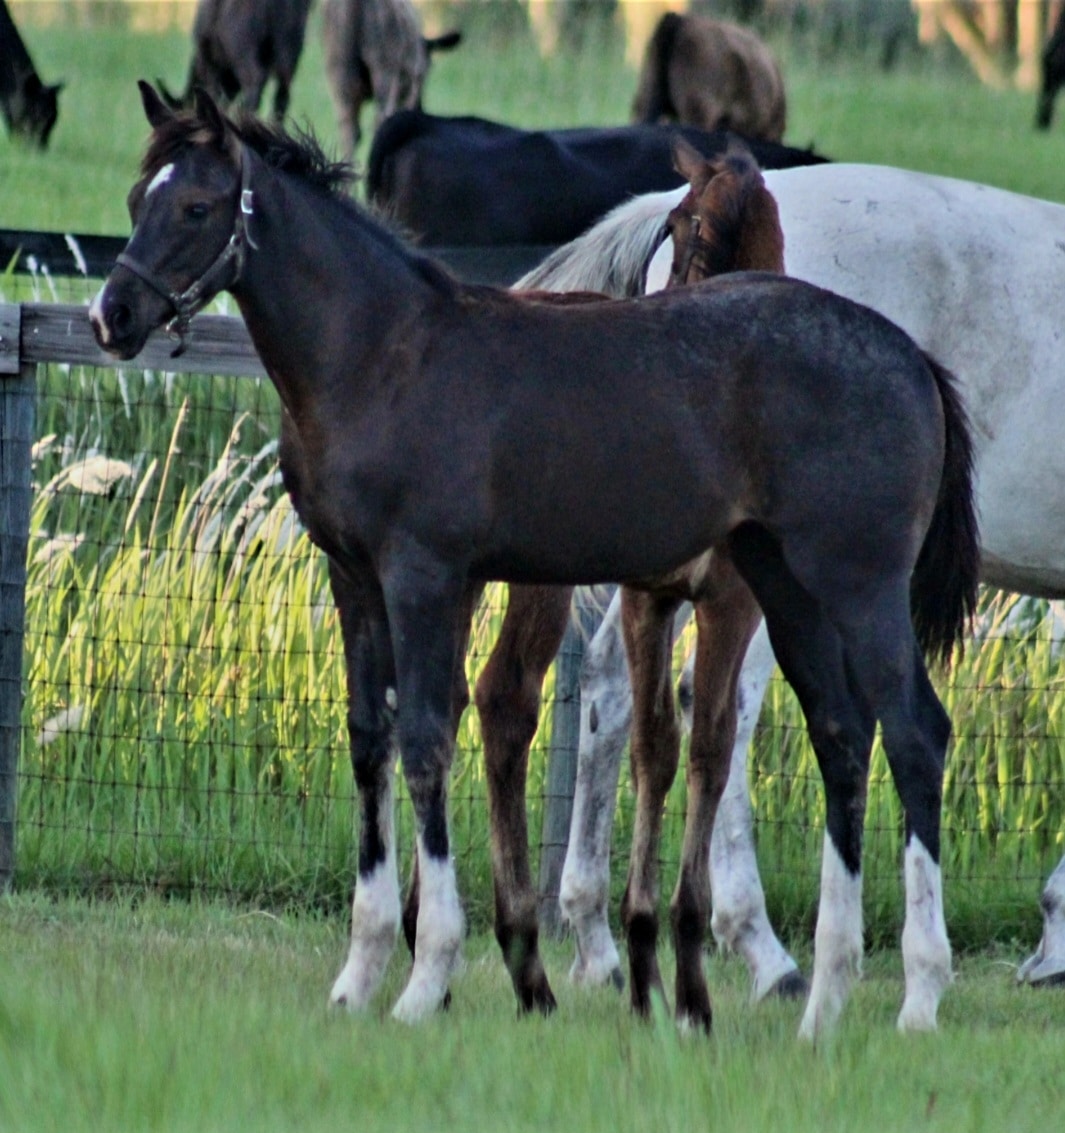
(206, 1018)
(181, 735)
(927, 113)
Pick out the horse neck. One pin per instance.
(323, 288)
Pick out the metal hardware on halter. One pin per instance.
(200, 292)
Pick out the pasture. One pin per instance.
(107, 1022)
(86, 985)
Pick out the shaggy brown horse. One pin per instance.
(711, 74)
(374, 49)
(436, 436)
(239, 45)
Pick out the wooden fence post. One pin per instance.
(17, 397)
(562, 759)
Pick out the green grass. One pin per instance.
(184, 722)
(204, 1017)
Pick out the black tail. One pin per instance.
(943, 591)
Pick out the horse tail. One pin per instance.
(612, 256)
(943, 589)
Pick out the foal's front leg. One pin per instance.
(726, 620)
(371, 719)
(647, 620)
(427, 604)
(508, 702)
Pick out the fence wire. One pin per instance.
(184, 721)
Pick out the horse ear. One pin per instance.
(210, 114)
(155, 109)
(207, 110)
(687, 160)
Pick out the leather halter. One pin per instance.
(679, 276)
(202, 290)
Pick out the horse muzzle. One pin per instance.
(119, 329)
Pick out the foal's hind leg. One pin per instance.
(915, 730)
(725, 624)
(508, 702)
(841, 723)
(655, 752)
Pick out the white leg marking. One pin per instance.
(925, 948)
(740, 922)
(438, 945)
(837, 944)
(606, 715)
(1048, 962)
(374, 926)
(375, 914)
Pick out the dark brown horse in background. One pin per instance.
(29, 106)
(711, 74)
(239, 45)
(436, 436)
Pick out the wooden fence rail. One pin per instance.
(33, 334)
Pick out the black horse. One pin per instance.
(28, 106)
(436, 436)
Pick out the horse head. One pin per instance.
(728, 221)
(189, 212)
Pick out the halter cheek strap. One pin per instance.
(202, 290)
(679, 276)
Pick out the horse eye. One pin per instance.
(196, 212)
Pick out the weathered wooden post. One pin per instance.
(17, 396)
(562, 762)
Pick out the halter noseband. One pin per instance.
(200, 292)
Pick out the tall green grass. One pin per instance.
(184, 722)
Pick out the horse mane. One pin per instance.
(298, 152)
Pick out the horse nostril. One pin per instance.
(119, 319)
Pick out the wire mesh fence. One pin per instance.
(183, 726)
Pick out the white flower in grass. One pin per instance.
(69, 720)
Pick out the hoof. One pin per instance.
(598, 974)
(1040, 972)
(541, 999)
(791, 985)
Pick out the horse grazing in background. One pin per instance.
(711, 74)
(435, 437)
(468, 180)
(29, 107)
(374, 49)
(967, 270)
(239, 45)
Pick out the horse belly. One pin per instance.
(608, 536)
